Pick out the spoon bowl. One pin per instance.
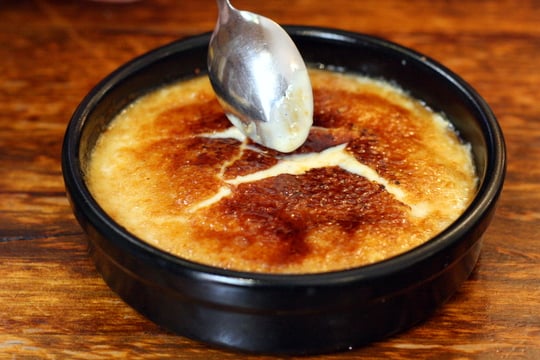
(260, 79)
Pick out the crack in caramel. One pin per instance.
(297, 164)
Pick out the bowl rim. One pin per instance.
(489, 188)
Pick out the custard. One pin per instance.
(378, 175)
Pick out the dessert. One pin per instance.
(378, 175)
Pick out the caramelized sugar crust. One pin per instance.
(161, 171)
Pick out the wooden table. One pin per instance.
(53, 303)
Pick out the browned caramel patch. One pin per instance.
(270, 220)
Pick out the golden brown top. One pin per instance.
(378, 175)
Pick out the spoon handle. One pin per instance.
(223, 5)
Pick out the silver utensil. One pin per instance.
(260, 79)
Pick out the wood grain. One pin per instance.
(54, 304)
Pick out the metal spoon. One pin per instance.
(260, 79)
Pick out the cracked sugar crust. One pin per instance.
(378, 175)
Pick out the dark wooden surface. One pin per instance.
(54, 305)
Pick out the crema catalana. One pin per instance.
(378, 175)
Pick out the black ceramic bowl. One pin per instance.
(295, 314)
